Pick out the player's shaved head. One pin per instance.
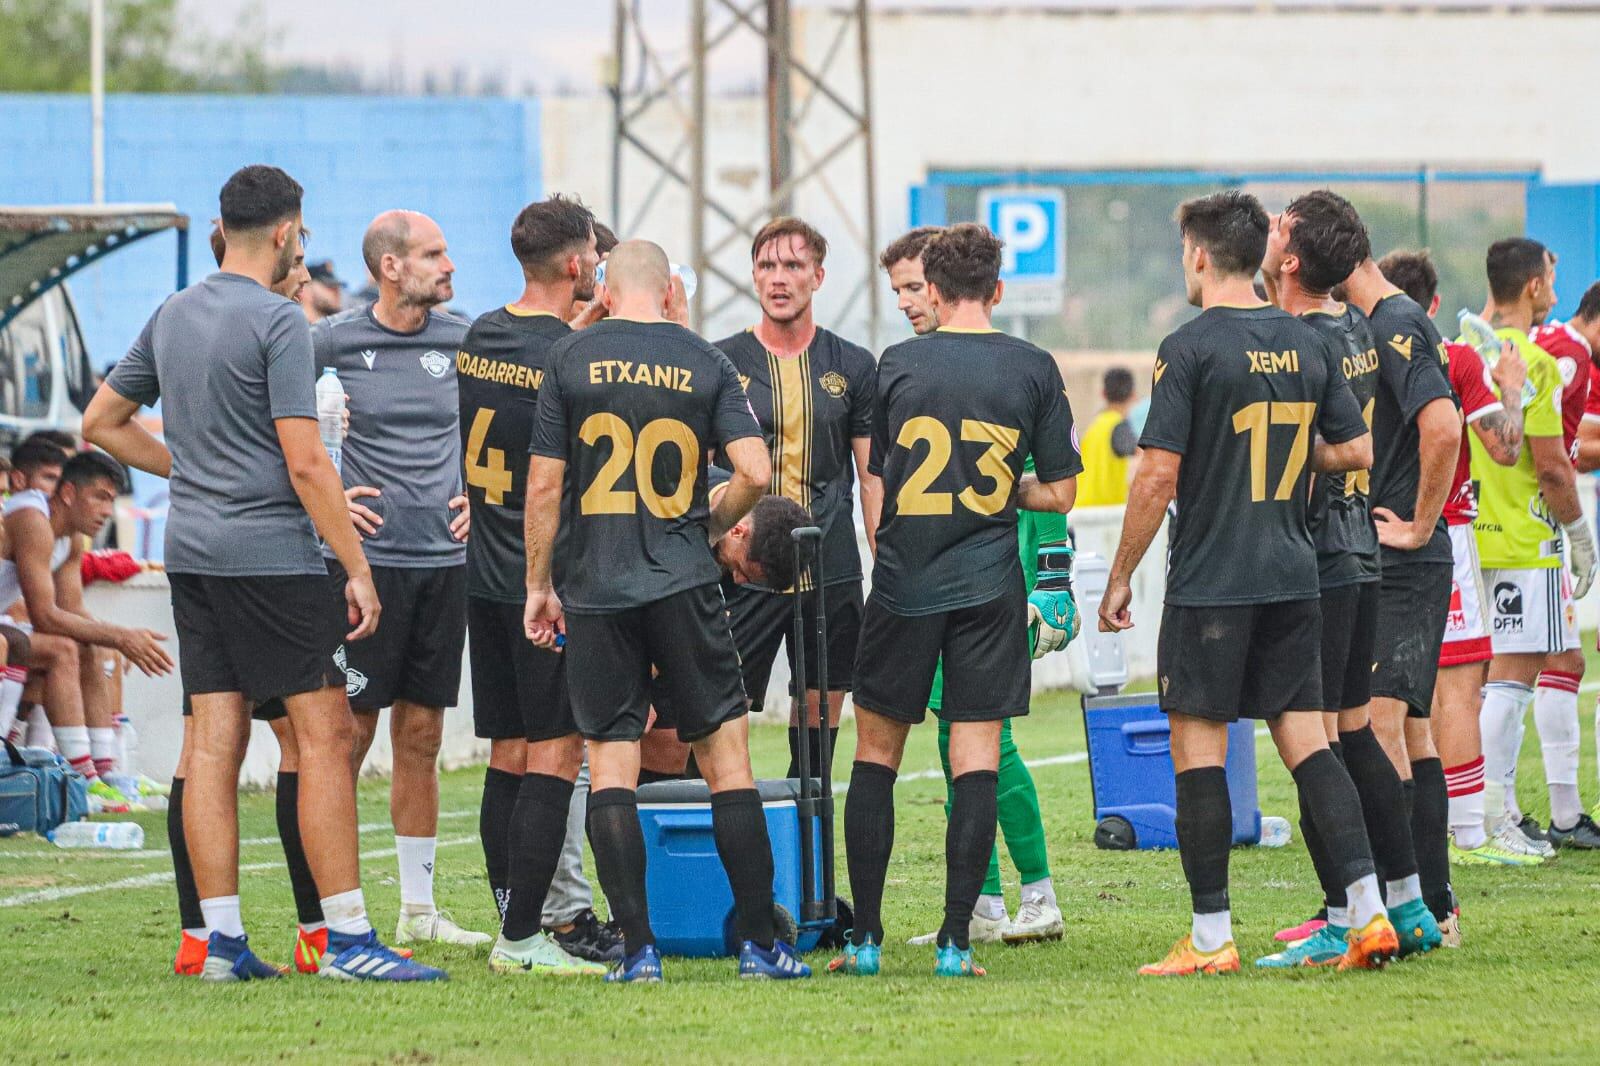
(388, 234)
(638, 268)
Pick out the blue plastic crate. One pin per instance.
(1130, 767)
(691, 905)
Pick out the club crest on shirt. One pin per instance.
(435, 363)
(833, 383)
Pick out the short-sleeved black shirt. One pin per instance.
(1411, 374)
(1341, 508)
(632, 408)
(956, 415)
(499, 369)
(810, 409)
(1239, 393)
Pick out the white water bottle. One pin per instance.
(120, 836)
(330, 414)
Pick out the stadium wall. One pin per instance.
(470, 163)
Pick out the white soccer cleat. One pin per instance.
(437, 927)
(979, 931)
(1037, 920)
(1510, 836)
(539, 954)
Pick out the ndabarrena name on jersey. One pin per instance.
(499, 371)
(623, 372)
(1287, 362)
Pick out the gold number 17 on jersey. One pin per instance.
(1255, 419)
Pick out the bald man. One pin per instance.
(402, 474)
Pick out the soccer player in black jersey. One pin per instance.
(811, 391)
(628, 411)
(519, 691)
(1416, 437)
(1314, 245)
(957, 412)
(1238, 395)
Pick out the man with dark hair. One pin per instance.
(1414, 274)
(519, 693)
(627, 412)
(1237, 393)
(947, 584)
(396, 362)
(252, 488)
(811, 390)
(1314, 245)
(1109, 445)
(1529, 513)
(1052, 622)
(1416, 436)
(323, 293)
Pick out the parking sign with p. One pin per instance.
(1032, 223)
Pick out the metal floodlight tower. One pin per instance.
(640, 79)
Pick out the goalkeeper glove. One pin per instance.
(1052, 608)
(1581, 554)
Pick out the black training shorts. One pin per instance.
(763, 620)
(265, 636)
(518, 690)
(609, 660)
(1349, 628)
(1413, 606)
(1248, 661)
(987, 669)
(416, 653)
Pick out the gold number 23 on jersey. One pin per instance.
(914, 497)
(603, 497)
(1255, 420)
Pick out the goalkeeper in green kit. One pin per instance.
(1053, 622)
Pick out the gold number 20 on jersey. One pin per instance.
(603, 497)
(914, 497)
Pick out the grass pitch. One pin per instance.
(85, 960)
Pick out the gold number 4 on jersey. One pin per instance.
(492, 475)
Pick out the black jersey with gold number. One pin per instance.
(1412, 373)
(1240, 393)
(810, 409)
(632, 408)
(1341, 505)
(498, 370)
(957, 413)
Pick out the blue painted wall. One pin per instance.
(1567, 219)
(470, 163)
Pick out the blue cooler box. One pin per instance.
(691, 905)
(1130, 770)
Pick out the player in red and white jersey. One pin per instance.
(1466, 651)
(1570, 345)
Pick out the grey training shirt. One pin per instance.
(226, 357)
(405, 435)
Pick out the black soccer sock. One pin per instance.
(500, 788)
(1336, 808)
(868, 840)
(1430, 828)
(968, 842)
(307, 900)
(740, 826)
(189, 916)
(794, 753)
(1383, 804)
(1205, 833)
(813, 749)
(650, 777)
(1333, 894)
(538, 830)
(619, 860)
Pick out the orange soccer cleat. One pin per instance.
(1371, 947)
(1184, 960)
(308, 949)
(191, 958)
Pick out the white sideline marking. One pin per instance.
(161, 877)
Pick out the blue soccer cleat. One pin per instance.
(365, 958)
(956, 962)
(229, 958)
(858, 960)
(1419, 932)
(777, 963)
(642, 967)
(1325, 947)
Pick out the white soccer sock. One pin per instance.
(1210, 932)
(198, 934)
(1404, 890)
(1504, 704)
(103, 748)
(990, 907)
(74, 742)
(346, 913)
(313, 927)
(11, 696)
(40, 735)
(415, 855)
(222, 915)
(1464, 784)
(1044, 889)
(1363, 901)
(1339, 917)
(1513, 806)
(1555, 715)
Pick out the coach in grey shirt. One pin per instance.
(402, 473)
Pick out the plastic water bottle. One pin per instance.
(330, 414)
(119, 836)
(1274, 831)
(127, 745)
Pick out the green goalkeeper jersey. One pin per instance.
(1514, 528)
